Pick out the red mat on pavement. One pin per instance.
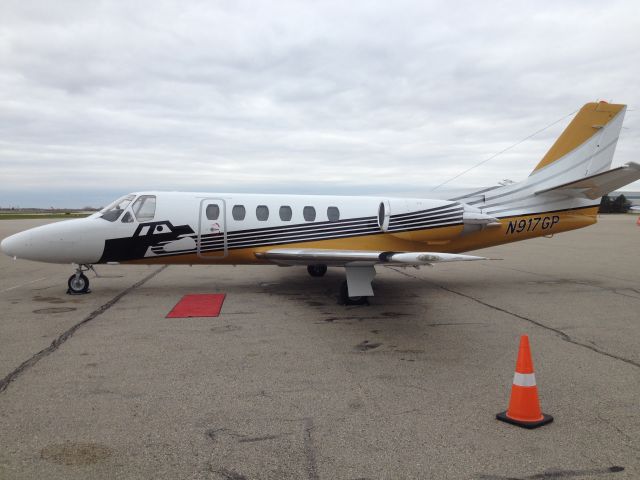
(198, 305)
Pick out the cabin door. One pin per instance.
(212, 229)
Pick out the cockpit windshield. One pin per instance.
(144, 208)
(114, 210)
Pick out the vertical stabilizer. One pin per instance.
(588, 129)
(573, 174)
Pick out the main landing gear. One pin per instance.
(78, 282)
(317, 270)
(357, 288)
(345, 299)
(358, 283)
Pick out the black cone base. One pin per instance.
(502, 416)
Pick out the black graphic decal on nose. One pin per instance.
(147, 235)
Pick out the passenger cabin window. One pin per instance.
(128, 218)
(212, 212)
(309, 214)
(285, 213)
(144, 208)
(113, 211)
(262, 213)
(333, 214)
(238, 212)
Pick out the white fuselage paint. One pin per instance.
(82, 241)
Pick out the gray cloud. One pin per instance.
(335, 97)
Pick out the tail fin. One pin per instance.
(588, 142)
(577, 164)
(573, 174)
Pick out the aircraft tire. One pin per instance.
(78, 285)
(317, 270)
(345, 299)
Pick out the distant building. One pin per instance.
(633, 197)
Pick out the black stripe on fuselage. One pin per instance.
(305, 226)
(333, 227)
(428, 210)
(371, 226)
(346, 228)
(457, 214)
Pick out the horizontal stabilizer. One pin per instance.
(596, 186)
(477, 218)
(338, 258)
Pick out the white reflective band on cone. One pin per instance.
(524, 379)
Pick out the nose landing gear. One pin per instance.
(78, 282)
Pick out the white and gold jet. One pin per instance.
(562, 193)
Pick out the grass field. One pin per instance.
(31, 216)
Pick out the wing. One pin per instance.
(357, 258)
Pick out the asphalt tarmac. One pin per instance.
(287, 384)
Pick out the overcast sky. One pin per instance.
(102, 98)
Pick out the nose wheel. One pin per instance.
(78, 282)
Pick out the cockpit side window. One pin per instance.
(113, 211)
(144, 208)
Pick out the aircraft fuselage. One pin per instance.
(203, 228)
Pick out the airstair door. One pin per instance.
(212, 229)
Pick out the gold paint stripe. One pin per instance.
(414, 241)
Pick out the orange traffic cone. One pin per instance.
(638, 222)
(524, 407)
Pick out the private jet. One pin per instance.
(562, 193)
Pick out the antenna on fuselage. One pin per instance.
(505, 150)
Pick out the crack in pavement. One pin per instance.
(628, 440)
(550, 474)
(557, 331)
(66, 335)
(617, 291)
(309, 450)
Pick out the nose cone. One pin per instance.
(72, 241)
(15, 245)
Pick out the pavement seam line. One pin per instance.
(23, 284)
(552, 474)
(576, 282)
(309, 450)
(66, 335)
(557, 331)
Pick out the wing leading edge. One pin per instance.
(345, 258)
(359, 265)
